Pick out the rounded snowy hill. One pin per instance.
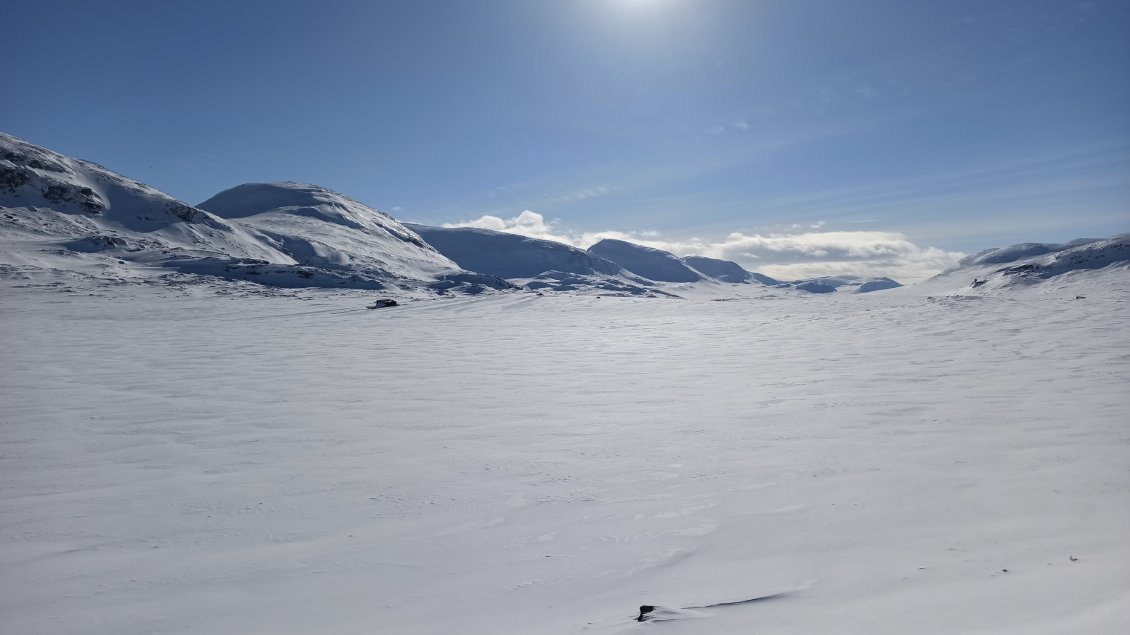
(843, 284)
(510, 255)
(646, 262)
(533, 263)
(1041, 265)
(322, 228)
(73, 217)
(726, 271)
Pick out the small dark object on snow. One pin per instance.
(661, 614)
(383, 303)
(1073, 558)
(1080, 297)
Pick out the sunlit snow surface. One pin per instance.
(210, 460)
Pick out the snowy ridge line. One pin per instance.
(62, 217)
(1031, 266)
(66, 215)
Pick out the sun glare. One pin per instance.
(639, 4)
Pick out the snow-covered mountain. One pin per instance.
(194, 455)
(509, 255)
(325, 230)
(726, 271)
(842, 284)
(64, 214)
(50, 200)
(68, 215)
(539, 264)
(1031, 264)
(646, 262)
(531, 263)
(662, 266)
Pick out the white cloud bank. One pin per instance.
(801, 252)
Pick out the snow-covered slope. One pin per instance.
(75, 217)
(646, 262)
(509, 255)
(178, 463)
(842, 284)
(1031, 265)
(321, 228)
(533, 263)
(1022, 251)
(661, 266)
(726, 271)
(46, 197)
(67, 215)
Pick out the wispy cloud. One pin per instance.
(581, 194)
(1009, 200)
(733, 124)
(539, 193)
(801, 251)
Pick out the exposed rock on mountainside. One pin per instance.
(1030, 264)
(62, 214)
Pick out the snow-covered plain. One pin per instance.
(220, 458)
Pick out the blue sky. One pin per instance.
(820, 136)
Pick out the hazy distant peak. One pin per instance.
(1029, 264)
(726, 270)
(647, 262)
(509, 255)
(844, 284)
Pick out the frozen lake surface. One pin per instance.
(209, 460)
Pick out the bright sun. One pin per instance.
(639, 4)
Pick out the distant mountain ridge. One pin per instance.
(53, 196)
(281, 234)
(646, 262)
(68, 215)
(321, 228)
(532, 263)
(511, 255)
(1030, 265)
(842, 284)
(608, 264)
(726, 271)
